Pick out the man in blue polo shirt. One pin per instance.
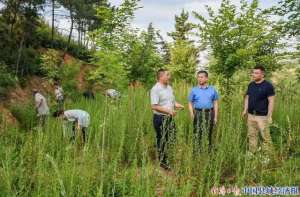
(203, 106)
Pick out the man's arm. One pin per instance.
(191, 109)
(216, 111)
(179, 106)
(271, 100)
(246, 102)
(163, 110)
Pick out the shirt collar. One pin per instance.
(203, 87)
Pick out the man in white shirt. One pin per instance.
(59, 96)
(41, 107)
(163, 105)
(80, 119)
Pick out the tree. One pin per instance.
(239, 38)
(184, 61)
(183, 52)
(291, 10)
(21, 19)
(113, 40)
(143, 58)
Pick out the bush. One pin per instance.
(69, 81)
(60, 42)
(6, 80)
(110, 71)
(25, 114)
(51, 64)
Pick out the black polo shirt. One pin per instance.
(258, 97)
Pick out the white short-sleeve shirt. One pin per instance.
(81, 116)
(162, 95)
(41, 104)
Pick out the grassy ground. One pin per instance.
(119, 158)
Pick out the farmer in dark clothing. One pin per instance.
(203, 106)
(89, 94)
(163, 105)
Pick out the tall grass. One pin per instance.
(119, 158)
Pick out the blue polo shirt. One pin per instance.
(203, 97)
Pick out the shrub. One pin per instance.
(6, 80)
(51, 64)
(25, 114)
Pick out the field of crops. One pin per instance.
(119, 158)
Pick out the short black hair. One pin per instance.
(260, 67)
(202, 72)
(58, 113)
(160, 71)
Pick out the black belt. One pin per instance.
(205, 110)
(257, 113)
(161, 115)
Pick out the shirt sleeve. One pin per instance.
(270, 91)
(216, 95)
(154, 97)
(247, 92)
(38, 100)
(191, 96)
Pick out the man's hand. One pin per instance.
(270, 121)
(179, 106)
(192, 115)
(215, 120)
(172, 113)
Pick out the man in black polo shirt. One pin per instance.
(258, 106)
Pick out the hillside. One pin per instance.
(21, 93)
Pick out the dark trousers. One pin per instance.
(203, 124)
(83, 130)
(60, 104)
(165, 134)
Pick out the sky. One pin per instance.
(162, 12)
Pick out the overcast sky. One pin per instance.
(162, 12)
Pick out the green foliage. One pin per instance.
(142, 57)
(183, 28)
(298, 73)
(51, 64)
(25, 115)
(184, 60)
(183, 52)
(240, 38)
(290, 9)
(59, 42)
(6, 80)
(69, 73)
(134, 56)
(110, 71)
(119, 157)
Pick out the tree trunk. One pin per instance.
(52, 32)
(19, 54)
(72, 23)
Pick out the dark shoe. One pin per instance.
(165, 166)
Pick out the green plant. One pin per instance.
(25, 115)
(6, 80)
(51, 64)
